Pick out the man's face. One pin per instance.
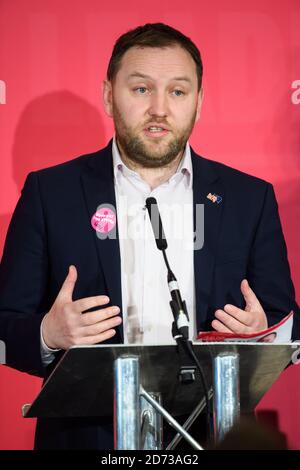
(154, 102)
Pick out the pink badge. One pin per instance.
(104, 220)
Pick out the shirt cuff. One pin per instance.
(47, 354)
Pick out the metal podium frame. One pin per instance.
(132, 382)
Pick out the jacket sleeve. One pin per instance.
(23, 281)
(268, 270)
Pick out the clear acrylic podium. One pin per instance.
(139, 386)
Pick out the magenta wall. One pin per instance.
(53, 57)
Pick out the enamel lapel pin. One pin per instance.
(214, 198)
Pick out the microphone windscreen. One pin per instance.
(156, 223)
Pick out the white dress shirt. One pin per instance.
(147, 315)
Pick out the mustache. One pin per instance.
(157, 121)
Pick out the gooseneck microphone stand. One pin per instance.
(180, 326)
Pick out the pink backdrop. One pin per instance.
(53, 57)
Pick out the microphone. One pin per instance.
(180, 327)
(157, 227)
(178, 306)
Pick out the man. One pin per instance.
(56, 266)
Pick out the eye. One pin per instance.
(178, 92)
(141, 90)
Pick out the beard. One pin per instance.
(155, 155)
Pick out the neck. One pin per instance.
(152, 176)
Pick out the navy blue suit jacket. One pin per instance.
(51, 229)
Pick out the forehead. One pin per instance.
(157, 63)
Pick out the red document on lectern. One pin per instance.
(279, 333)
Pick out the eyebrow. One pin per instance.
(142, 75)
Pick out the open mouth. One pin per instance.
(156, 131)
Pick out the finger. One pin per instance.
(218, 326)
(97, 338)
(91, 318)
(249, 296)
(241, 315)
(90, 302)
(101, 327)
(67, 288)
(230, 322)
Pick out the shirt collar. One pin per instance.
(185, 167)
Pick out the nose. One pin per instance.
(158, 105)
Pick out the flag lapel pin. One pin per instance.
(214, 198)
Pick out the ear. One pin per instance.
(199, 103)
(107, 97)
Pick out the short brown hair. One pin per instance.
(153, 35)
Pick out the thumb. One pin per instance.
(249, 296)
(67, 288)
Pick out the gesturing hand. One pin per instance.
(65, 325)
(236, 320)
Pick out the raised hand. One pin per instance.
(236, 320)
(65, 325)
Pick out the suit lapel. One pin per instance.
(98, 188)
(206, 181)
